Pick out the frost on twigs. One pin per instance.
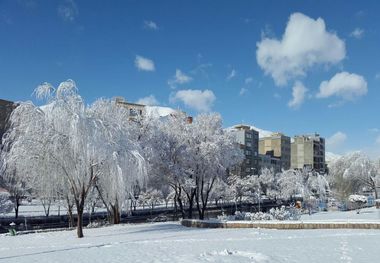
(44, 91)
(66, 149)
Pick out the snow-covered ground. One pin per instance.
(171, 242)
(367, 215)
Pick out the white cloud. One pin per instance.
(197, 99)
(375, 130)
(378, 139)
(179, 78)
(144, 64)
(243, 91)
(358, 33)
(347, 86)
(305, 43)
(150, 25)
(68, 11)
(248, 80)
(377, 76)
(336, 141)
(202, 70)
(299, 94)
(231, 75)
(149, 100)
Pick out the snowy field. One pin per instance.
(171, 242)
(367, 214)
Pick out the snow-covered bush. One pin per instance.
(97, 223)
(283, 213)
(280, 214)
(358, 201)
(260, 216)
(6, 204)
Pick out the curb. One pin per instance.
(280, 224)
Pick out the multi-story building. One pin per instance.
(308, 151)
(248, 139)
(277, 145)
(136, 111)
(6, 108)
(269, 161)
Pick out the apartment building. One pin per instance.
(308, 151)
(269, 161)
(277, 146)
(248, 139)
(136, 111)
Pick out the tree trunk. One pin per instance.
(115, 214)
(80, 208)
(191, 203)
(179, 200)
(70, 214)
(80, 224)
(17, 205)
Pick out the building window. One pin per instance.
(248, 152)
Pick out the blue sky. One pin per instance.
(290, 66)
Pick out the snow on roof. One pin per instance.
(158, 111)
(262, 133)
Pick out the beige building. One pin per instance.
(308, 151)
(248, 139)
(134, 110)
(278, 146)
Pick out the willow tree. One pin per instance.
(65, 143)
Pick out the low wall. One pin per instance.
(280, 224)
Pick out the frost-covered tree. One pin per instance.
(189, 157)
(269, 183)
(353, 173)
(221, 191)
(302, 183)
(122, 165)
(210, 151)
(6, 204)
(164, 141)
(67, 142)
(246, 188)
(151, 197)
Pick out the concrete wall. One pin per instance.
(286, 225)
